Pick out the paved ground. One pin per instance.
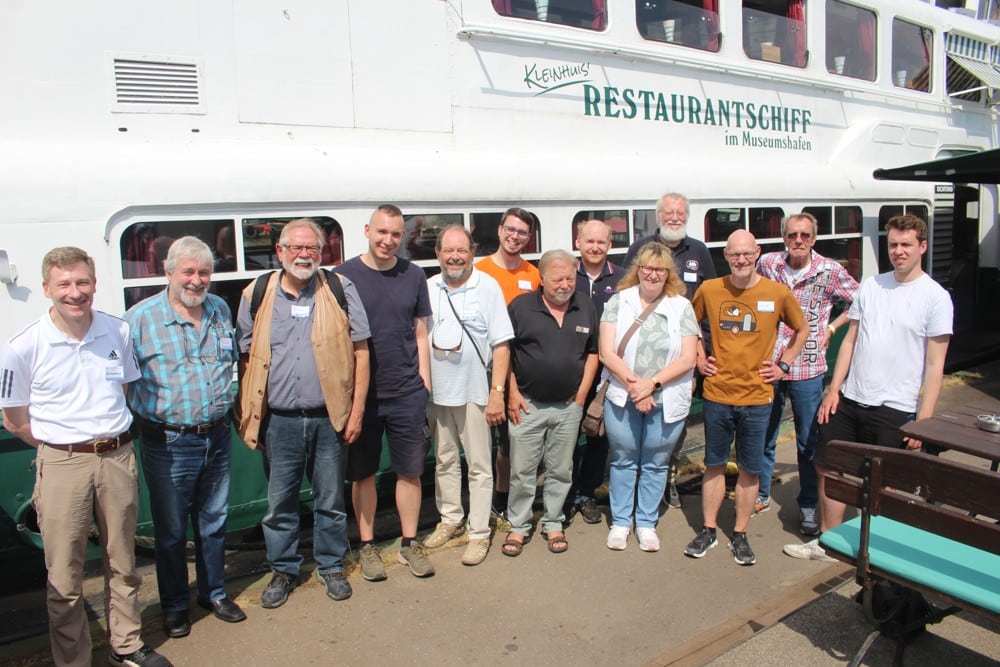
(589, 606)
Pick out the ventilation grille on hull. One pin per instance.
(157, 85)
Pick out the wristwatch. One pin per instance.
(497, 388)
(783, 366)
(657, 386)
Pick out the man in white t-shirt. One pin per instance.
(890, 365)
(470, 327)
(63, 392)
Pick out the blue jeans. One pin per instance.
(188, 476)
(747, 423)
(311, 445)
(640, 445)
(806, 395)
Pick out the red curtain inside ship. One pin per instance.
(796, 15)
(711, 8)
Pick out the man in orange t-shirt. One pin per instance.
(744, 311)
(516, 276)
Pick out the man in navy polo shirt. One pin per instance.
(554, 363)
(596, 277)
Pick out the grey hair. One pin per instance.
(303, 222)
(800, 216)
(674, 195)
(187, 247)
(553, 256)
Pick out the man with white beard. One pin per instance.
(695, 264)
(303, 381)
(185, 346)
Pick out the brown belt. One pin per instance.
(95, 446)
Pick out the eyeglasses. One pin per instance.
(296, 249)
(741, 255)
(514, 231)
(658, 270)
(678, 213)
(805, 236)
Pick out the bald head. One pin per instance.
(593, 240)
(740, 237)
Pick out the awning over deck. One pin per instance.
(983, 167)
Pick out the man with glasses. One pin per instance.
(554, 361)
(744, 311)
(470, 357)
(184, 342)
(516, 276)
(303, 383)
(696, 266)
(816, 283)
(394, 293)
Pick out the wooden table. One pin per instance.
(956, 429)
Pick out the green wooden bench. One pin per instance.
(927, 524)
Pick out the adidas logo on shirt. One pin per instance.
(113, 356)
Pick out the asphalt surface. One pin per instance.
(588, 606)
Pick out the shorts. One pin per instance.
(748, 423)
(871, 425)
(403, 421)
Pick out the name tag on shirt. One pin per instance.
(226, 343)
(690, 277)
(298, 312)
(524, 284)
(765, 306)
(114, 373)
(583, 330)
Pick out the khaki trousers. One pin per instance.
(71, 489)
(454, 429)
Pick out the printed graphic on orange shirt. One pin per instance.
(737, 317)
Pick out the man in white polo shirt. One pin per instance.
(62, 392)
(470, 328)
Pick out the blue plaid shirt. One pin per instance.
(187, 373)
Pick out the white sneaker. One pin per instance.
(618, 538)
(648, 539)
(809, 551)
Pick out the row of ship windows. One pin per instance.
(144, 245)
(773, 30)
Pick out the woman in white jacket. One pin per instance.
(650, 392)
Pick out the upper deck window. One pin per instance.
(775, 30)
(693, 23)
(850, 41)
(911, 55)
(589, 14)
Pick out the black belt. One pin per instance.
(160, 428)
(851, 401)
(95, 446)
(303, 412)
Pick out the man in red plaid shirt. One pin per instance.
(817, 282)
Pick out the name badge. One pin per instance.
(524, 285)
(298, 312)
(583, 330)
(226, 343)
(765, 306)
(690, 277)
(114, 373)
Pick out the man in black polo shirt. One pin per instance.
(554, 360)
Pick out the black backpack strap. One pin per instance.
(260, 286)
(333, 282)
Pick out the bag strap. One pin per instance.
(462, 324)
(260, 286)
(636, 324)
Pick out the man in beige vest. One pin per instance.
(303, 382)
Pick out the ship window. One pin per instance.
(721, 222)
(485, 229)
(589, 14)
(765, 223)
(144, 245)
(911, 55)
(775, 31)
(421, 232)
(850, 41)
(616, 219)
(693, 23)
